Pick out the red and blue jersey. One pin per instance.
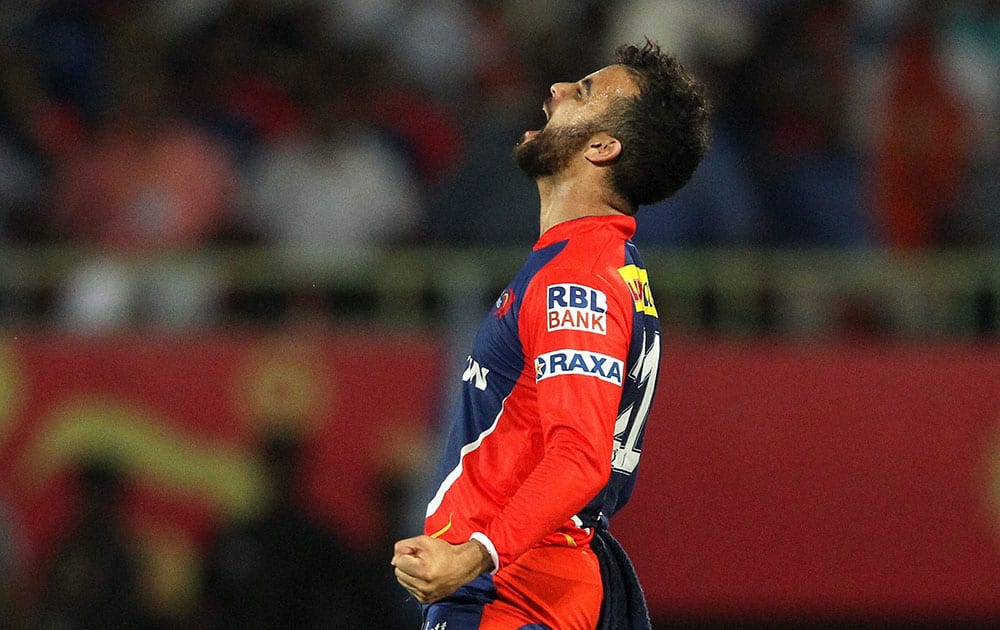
(545, 442)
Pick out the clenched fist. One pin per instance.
(430, 568)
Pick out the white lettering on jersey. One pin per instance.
(569, 361)
(576, 307)
(475, 374)
(631, 423)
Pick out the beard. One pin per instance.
(551, 150)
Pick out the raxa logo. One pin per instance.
(475, 374)
(582, 362)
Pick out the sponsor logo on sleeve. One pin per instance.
(637, 281)
(503, 304)
(576, 307)
(475, 374)
(582, 362)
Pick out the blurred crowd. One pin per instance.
(327, 128)
(278, 567)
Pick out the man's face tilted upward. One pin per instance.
(574, 113)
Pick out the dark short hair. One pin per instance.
(664, 130)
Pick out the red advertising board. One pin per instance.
(777, 479)
(793, 479)
(182, 416)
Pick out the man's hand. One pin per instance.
(430, 568)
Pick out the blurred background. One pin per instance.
(244, 245)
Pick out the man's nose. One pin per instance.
(558, 90)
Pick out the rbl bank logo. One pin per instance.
(576, 307)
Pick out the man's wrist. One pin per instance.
(484, 545)
(484, 563)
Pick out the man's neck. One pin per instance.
(567, 198)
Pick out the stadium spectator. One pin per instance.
(433, 45)
(24, 159)
(808, 170)
(282, 569)
(71, 42)
(923, 145)
(970, 42)
(143, 181)
(238, 72)
(337, 189)
(426, 132)
(11, 570)
(92, 580)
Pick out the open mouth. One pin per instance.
(530, 134)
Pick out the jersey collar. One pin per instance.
(560, 232)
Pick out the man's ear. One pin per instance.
(602, 149)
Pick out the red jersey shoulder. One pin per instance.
(585, 279)
(589, 303)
